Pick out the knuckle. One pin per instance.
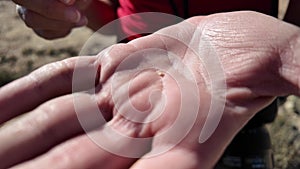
(41, 123)
(35, 81)
(56, 68)
(67, 66)
(62, 156)
(48, 72)
(64, 69)
(34, 124)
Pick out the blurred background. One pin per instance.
(21, 51)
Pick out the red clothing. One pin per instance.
(195, 7)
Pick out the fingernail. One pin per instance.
(73, 15)
(82, 22)
(21, 11)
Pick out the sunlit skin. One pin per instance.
(259, 61)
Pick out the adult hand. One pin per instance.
(258, 60)
(52, 19)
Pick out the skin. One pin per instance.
(53, 19)
(259, 63)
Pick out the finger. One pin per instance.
(48, 125)
(139, 97)
(50, 34)
(78, 153)
(47, 82)
(52, 9)
(111, 57)
(82, 152)
(178, 158)
(126, 90)
(39, 22)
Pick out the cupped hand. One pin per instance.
(173, 99)
(52, 19)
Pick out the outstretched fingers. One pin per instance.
(89, 151)
(45, 83)
(50, 124)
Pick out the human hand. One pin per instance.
(239, 44)
(52, 19)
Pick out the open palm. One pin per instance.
(176, 97)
